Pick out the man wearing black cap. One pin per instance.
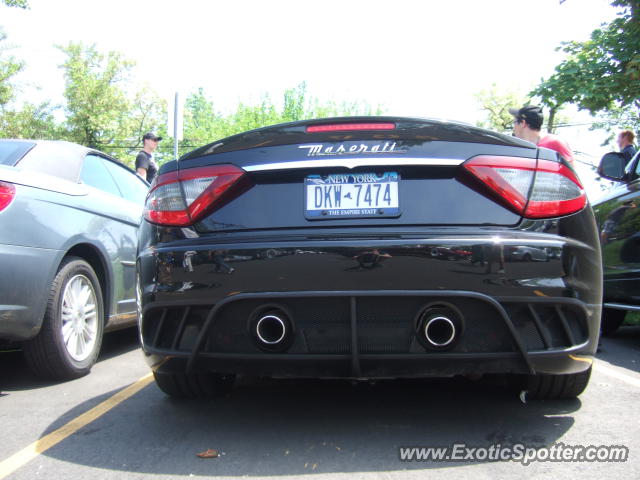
(527, 124)
(145, 164)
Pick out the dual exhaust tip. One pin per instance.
(438, 328)
(272, 328)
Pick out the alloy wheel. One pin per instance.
(79, 318)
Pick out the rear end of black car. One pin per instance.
(366, 248)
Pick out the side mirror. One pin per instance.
(612, 166)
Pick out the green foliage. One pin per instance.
(105, 111)
(295, 103)
(16, 3)
(602, 72)
(496, 102)
(31, 121)
(616, 119)
(147, 113)
(201, 121)
(248, 117)
(203, 124)
(9, 68)
(344, 108)
(96, 101)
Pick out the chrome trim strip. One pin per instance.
(356, 162)
(128, 264)
(494, 240)
(622, 306)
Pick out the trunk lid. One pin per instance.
(412, 169)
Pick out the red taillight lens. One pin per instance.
(343, 127)
(533, 189)
(183, 197)
(7, 192)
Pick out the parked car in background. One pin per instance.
(412, 218)
(527, 254)
(618, 218)
(69, 217)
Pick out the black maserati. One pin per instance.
(367, 248)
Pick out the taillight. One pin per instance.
(531, 188)
(7, 192)
(343, 127)
(184, 197)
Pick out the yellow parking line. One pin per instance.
(580, 359)
(27, 454)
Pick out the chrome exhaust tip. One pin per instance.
(271, 330)
(440, 331)
(439, 326)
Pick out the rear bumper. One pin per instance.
(356, 305)
(383, 366)
(362, 335)
(24, 289)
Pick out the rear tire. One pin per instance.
(69, 340)
(182, 385)
(551, 387)
(611, 320)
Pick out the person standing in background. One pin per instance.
(625, 142)
(146, 166)
(527, 124)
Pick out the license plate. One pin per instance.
(351, 195)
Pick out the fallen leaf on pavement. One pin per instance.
(208, 454)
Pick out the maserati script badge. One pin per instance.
(355, 149)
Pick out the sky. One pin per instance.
(426, 58)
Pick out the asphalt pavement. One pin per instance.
(306, 428)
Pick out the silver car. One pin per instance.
(528, 254)
(69, 217)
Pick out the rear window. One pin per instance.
(11, 152)
(133, 188)
(60, 159)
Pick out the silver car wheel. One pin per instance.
(79, 318)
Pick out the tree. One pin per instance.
(16, 3)
(247, 117)
(147, 113)
(9, 68)
(496, 102)
(104, 110)
(97, 105)
(30, 121)
(203, 124)
(294, 105)
(616, 119)
(344, 108)
(602, 72)
(297, 105)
